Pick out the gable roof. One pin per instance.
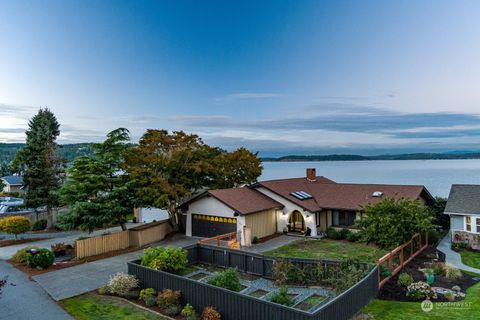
(327, 194)
(13, 180)
(464, 198)
(243, 200)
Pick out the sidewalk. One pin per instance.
(271, 244)
(453, 257)
(73, 281)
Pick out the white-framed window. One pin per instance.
(468, 223)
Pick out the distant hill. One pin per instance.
(354, 157)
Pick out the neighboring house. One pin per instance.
(13, 184)
(311, 202)
(463, 207)
(146, 215)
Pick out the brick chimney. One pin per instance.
(311, 174)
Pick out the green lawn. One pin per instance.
(395, 310)
(471, 258)
(329, 250)
(96, 307)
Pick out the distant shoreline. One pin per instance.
(353, 157)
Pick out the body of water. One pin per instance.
(436, 175)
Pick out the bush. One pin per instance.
(353, 236)
(188, 312)
(255, 240)
(121, 284)
(282, 297)
(333, 234)
(41, 258)
(15, 225)
(343, 234)
(210, 313)
(420, 290)
(438, 268)
(172, 310)
(280, 271)
(404, 280)
(149, 292)
(433, 237)
(295, 275)
(39, 225)
(21, 255)
(348, 273)
(169, 259)
(228, 279)
(168, 298)
(451, 272)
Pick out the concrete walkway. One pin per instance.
(67, 237)
(271, 244)
(453, 257)
(26, 300)
(73, 281)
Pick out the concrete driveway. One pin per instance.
(26, 300)
(73, 281)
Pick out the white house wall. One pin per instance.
(289, 207)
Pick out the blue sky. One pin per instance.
(279, 77)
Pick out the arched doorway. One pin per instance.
(296, 221)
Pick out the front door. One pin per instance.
(297, 224)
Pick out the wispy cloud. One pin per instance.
(248, 95)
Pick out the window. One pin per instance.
(478, 225)
(468, 224)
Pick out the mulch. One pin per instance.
(6, 243)
(391, 291)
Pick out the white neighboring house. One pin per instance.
(463, 207)
(145, 215)
(13, 184)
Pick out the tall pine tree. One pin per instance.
(39, 163)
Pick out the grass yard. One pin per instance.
(471, 258)
(329, 250)
(96, 307)
(395, 310)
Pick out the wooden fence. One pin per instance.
(396, 259)
(149, 233)
(102, 244)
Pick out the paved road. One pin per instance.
(26, 300)
(452, 257)
(73, 281)
(67, 237)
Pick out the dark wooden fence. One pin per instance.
(237, 306)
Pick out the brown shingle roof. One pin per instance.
(330, 195)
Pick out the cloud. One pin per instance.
(248, 95)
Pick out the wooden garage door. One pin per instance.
(210, 226)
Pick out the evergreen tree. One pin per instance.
(39, 164)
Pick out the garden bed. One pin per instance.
(310, 302)
(391, 291)
(12, 242)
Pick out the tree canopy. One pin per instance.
(168, 167)
(98, 191)
(391, 222)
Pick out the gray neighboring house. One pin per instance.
(13, 184)
(463, 207)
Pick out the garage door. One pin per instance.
(209, 226)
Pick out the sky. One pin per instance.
(278, 77)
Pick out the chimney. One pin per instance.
(311, 175)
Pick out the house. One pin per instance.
(146, 215)
(13, 184)
(267, 207)
(463, 207)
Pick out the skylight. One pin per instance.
(301, 195)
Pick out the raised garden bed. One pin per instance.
(199, 276)
(310, 302)
(258, 293)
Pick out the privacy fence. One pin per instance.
(233, 305)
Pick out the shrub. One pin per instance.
(15, 225)
(404, 280)
(172, 310)
(295, 275)
(168, 259)
(451, 272)
(420, 290)
(149, 292)
(168, 298)
(333, 234)
(348, 273)
(40, 258)
(150, 301)
(353, 236)
(121, 284)
(39, 225)
(103, 290)
(343, 234)
(188, 312)
(433, 237)
(21, 255)
(280, 271)
(228, 279)
(282, 297)
(438, 268)
(210, 313)
(255, 240)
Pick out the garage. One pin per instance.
(209, 226)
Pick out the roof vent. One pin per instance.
(301, 195)
(377, 194)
